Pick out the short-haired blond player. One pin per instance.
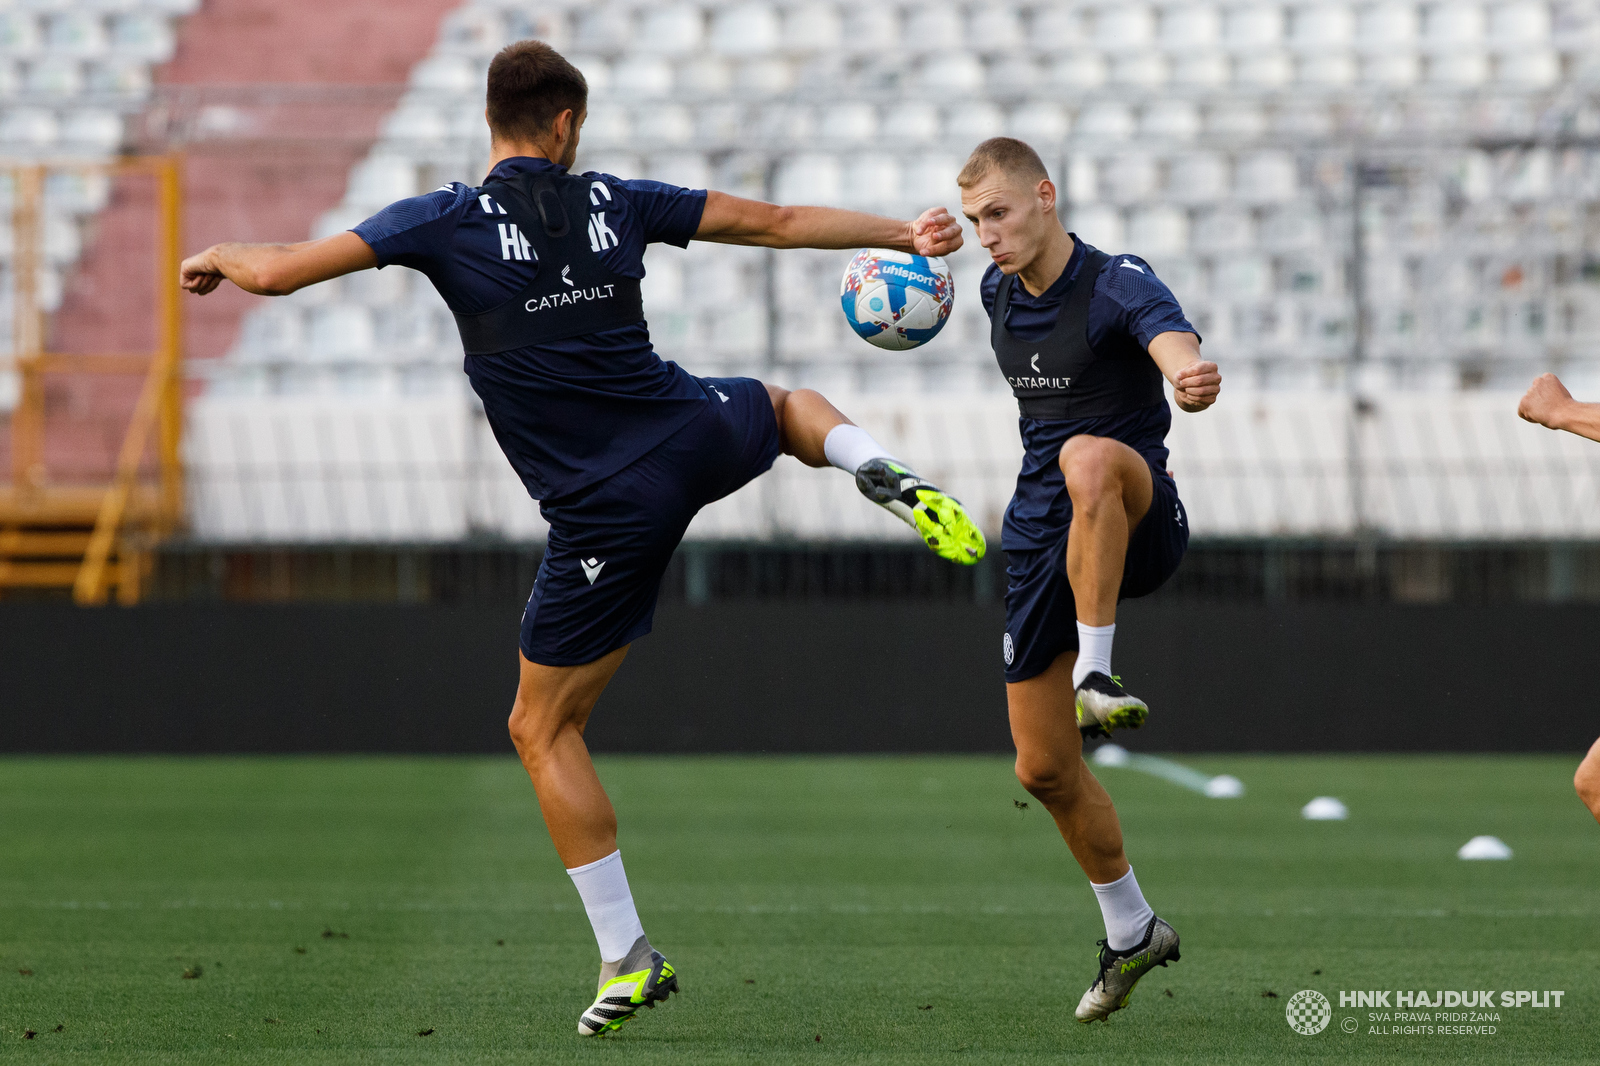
(1084, 339)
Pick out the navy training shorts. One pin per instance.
(1041, 613)
(610, 542)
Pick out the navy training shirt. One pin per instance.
(1129, 308)
(566, 413)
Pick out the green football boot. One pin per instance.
(940, 520)
(642, 979)
(1121, 970)
(1103, 705)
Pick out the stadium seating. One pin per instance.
(71, 73)
(1367, 198)
(1215, 139)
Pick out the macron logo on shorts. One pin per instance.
(591, 568)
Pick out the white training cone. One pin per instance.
(1484, 848)
(1325, 809)
(1224, 786)
(1111, 755)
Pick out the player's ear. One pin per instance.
(1046, 191)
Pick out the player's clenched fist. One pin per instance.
(200, 273)
(1544, 400)
(935, 232)
(1196, 386)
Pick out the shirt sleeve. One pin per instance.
(666, 213)
(989, 287)
(1148, 308)
(414, 232)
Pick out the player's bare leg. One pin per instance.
(805, 418)
(1587, 780)
(1051, 767)
(1111, 490)
(815, 432)
(547, 722)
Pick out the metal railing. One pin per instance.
(124, 515)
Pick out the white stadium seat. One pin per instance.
(932, 27)
(20, 33)
(77, 33)
(746, 29)
(1190, 27)
(144, 36)
(994, 27)
(29, 128)
(1316, 28)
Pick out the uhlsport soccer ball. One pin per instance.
(896, 300)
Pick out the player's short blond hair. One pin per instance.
(1006, 154)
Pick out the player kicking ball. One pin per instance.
(541, 268)
(1083, 338)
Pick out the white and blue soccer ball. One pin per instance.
(896, 300)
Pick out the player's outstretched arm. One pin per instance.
(1548, 403)
(1195, 382)
(734, 220)
(276, 269)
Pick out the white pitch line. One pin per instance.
(1222, 786)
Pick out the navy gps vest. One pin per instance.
(573, 292)
(1061, 376)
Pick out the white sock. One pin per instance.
(847, 447)
(1125, 911)
(1094, 651)
(604, 888)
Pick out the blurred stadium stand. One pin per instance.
(1383, 216)
(1379, 215)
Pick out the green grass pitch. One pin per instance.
(861, 910)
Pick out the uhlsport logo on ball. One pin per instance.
(896, 300)
(1308, 1012)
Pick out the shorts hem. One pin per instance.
(585, 659)
(1028, 675)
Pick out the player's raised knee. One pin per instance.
(800, 403)
(1090, 467)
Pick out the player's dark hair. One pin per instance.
(1005, 154)
(531, 83)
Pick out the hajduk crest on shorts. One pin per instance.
(896, 300)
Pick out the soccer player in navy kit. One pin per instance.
(541, 269)
(1084, 340)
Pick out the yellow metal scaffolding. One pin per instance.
(93, 538)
